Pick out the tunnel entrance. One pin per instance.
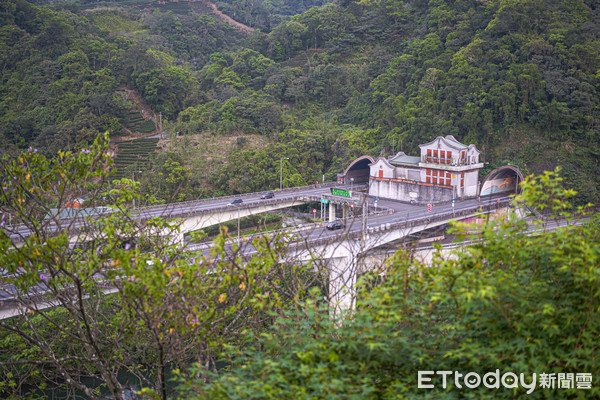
(357, 172)
(502, 180)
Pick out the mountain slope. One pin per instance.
(518, 78)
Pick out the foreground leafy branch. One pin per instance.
(98, 292)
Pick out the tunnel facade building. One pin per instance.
(445, 170)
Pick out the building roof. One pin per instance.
(449, 141)
(383, 160)
(453, 140)
(404, 159)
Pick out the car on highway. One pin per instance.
(332, 226)
(268, 195)
(236, 201)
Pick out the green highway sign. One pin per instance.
(340, 192)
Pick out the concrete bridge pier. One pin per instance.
(342, 284)
(178, 238)
(331, 212)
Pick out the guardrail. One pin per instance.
(175, 213)
(208, 199)
(175, 210)
(409, 223)
(299, 228)
(358, 234)
(406, 223)
(234, 196)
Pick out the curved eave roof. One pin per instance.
(449, 141)
(385, 161)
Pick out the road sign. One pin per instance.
(314, 210)
(429, 207)
(452, 203)
(375, 201)
(340, 192)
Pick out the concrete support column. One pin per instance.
(178, 238)
(342, 285)
(331, 212)
(344, 212)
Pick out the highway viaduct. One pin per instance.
(340, 252)
(342, 249)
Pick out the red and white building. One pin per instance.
(446, 170)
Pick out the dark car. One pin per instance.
(236, 201)
(268, 195)
(332, 226)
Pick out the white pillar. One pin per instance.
(178, 238)
(342, 285)
(331, 212)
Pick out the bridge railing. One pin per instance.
(446, 216)
(173, 212)
(406, 222)
(234, 196)
(171, 206)
(409, 223)
(296, 229)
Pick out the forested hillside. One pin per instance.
(321, 85)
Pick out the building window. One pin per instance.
(381, 173)
(428, 155)
(448, 181)
(435, 156)
(435, 181)
(462, 179)
(448, 157)
(428, 179)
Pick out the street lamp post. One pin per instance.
(281, 172)
(351, 183)
(133, 179)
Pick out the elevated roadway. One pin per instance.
(194, 215)
(394, 221)
(339, 251)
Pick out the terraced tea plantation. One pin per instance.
(134, 121)
(133, 155)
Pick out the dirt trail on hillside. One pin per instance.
(226, 18)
